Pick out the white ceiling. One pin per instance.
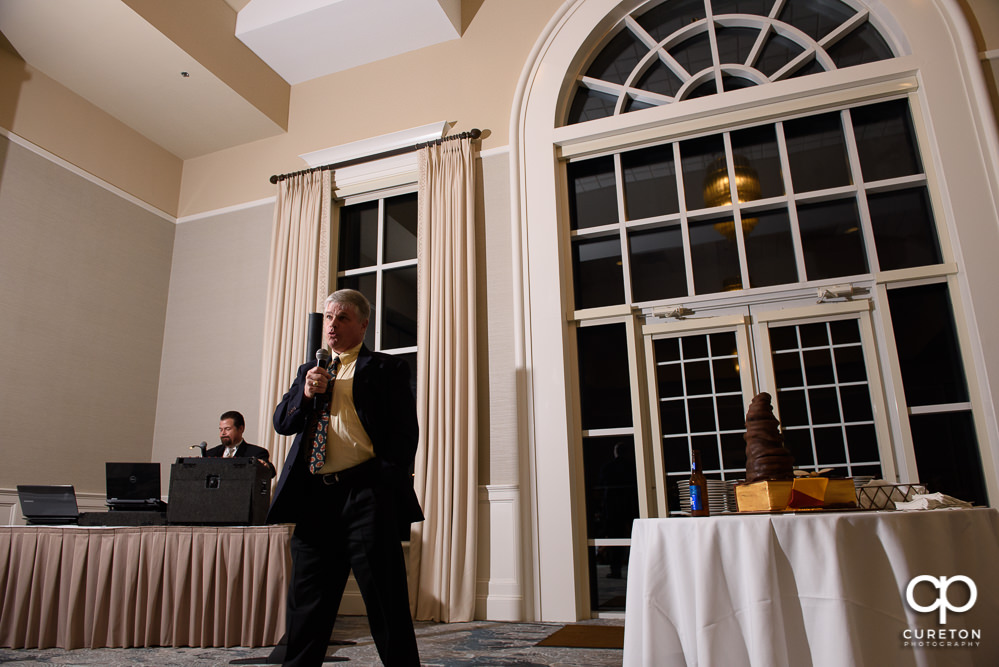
(111, 56)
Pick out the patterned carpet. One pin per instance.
(441, 645)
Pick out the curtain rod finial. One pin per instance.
(274, 180)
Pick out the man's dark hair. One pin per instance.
(237, 419)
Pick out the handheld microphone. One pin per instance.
(202, 447)
(322, 361)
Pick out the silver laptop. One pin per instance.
(48, 505)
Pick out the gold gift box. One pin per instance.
(800, 493)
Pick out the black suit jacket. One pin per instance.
(244, 451)
(384, 401)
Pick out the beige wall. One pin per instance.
(84, 275)
(213, 338)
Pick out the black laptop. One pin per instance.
(48, 505)
(133, 486)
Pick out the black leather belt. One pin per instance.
(362, 474)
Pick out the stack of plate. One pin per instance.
(721, 496)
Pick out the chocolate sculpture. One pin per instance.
(766, 456)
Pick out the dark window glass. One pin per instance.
(886, 141)
(813, 335)
(607, 592)
(676, 458)
(769, 248)
(863, 45)
(358, 236)
(823, 406)
(784, 338)
(657, 264)
(816, 152)
(666, 18)
(589, 105)
(632, 104)
(733, 447)
(813, 66)
(400, 228)
(777, 52)
(598, 279)
(714, 257)
(757, 146)
(757, 7)
(649, 182)
(787, 369)
(702, 415)
(667, 349)
(904, 231)
(697, 377)
(592, 194)
(947, 455)
(726, 374)
(829, 445)
(604, 380)
(799, 441)
(844, 331)
(926, 339)
(818, 366)
(734, 82)
(704, 89)
(698, 159)
(734, 44)
(850, 365)
(831, 239)
(616, 61)
(862, 443)
(673, 417)
(659, 79)
(366, 284)
(693, 53)
(793, 409)
(398, 310)
(816, 18)
(856, 400)
(731, 414)
(611, 487)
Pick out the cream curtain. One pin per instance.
(298, 285)
(442, 548)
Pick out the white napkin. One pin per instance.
(930, 501)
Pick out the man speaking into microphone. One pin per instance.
(347, 486)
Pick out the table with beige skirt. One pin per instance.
(75, 587)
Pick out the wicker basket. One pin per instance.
(884, 496)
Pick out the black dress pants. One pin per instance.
(349, 525)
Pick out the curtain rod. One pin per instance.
(474, 133)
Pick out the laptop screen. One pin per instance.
(48, 504)
(133, 481)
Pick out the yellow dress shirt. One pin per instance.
(347, 443)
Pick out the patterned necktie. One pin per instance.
(317, 457)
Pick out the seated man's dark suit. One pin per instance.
(244, 451)
(352, 520)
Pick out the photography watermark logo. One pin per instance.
(927, 594)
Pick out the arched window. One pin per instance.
(747, 197)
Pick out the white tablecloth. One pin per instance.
(811, 589)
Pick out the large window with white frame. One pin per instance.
(798, 253)
(376, 254)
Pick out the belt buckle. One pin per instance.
(334, 476)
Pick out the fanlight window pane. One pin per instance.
(658, 270)
(616, 61)
(886, 142)
(597, 274)
(649, 182)
(831, 239)
(400, 227)
(863, 45)
(589, 104)
(816, 151)
(604, 377)
(735, 26)
(777, 52)
(757, 7)
(903, 229)
(816, 18)
(592, 193)
(668, 17)
(358, 236)
(659, 79)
